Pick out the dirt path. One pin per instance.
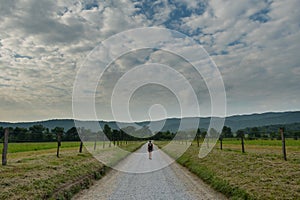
(171, 182)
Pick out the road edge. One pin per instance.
(69, 190)
(217, 184)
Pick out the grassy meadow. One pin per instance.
(34, 172)
(260, 173)
(37, 146)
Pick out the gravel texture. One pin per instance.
(171, 182)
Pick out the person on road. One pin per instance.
(150, 149)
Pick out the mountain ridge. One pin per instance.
(235, 121)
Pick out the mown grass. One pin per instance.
(39, 174)
(289, 142)
(37, 146)
(260, 173)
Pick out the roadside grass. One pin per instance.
(289, 142)
(37, 146)
(260, 173)
(39, 174)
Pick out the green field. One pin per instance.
(289, 142)
(34, 172)
(260, 173)
(36, 146)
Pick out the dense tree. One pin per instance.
(240, 134)
(49, 135)
(115, 136)
(1, 133)
(272, 135)
(123, 136)
(203, 134)
(71, 135)
(226, 132)
(19, 134)
(107, 131)
(255, 132)
(58, 130)
(296, 135)
(37, 133)
(198, 134)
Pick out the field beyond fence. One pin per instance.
(260, 173)
(34, 172)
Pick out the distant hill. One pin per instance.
(264, 119)
(235, 122)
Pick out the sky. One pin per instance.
(44, 44)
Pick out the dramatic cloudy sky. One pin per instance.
(43, 43)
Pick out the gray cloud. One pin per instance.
(44, 43)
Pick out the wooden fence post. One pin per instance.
(221, 142)
(5, 147)
(81, 138)
(120, 138)
(242, 140)
(283, 142)
(58, 143)
(95, 145)
(198, 135)
(80, 147)
(114, 138)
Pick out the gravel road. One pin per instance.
(171, 182)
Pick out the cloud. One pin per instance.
(259, 52)
(43, 44)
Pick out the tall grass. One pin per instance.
(39, 174)
(260, 173)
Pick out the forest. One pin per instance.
(39, 133)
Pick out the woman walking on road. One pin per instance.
(150, 149)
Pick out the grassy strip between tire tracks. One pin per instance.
(259, 173)
(40, 174)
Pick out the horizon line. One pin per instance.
(233, 115)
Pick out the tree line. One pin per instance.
(252, 133)
(39, 133)
(272, 131)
